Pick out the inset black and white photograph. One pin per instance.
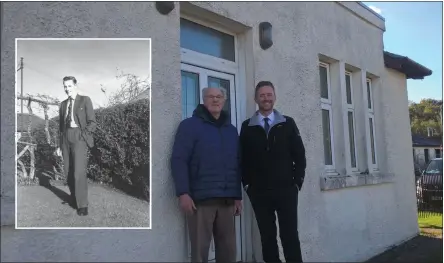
(83, 133)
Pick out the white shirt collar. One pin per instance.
(73, 97)
(270, 117)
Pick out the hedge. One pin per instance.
(121, 155)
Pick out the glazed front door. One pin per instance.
(194, 79)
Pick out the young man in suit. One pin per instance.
(273, 169)
(77, 125)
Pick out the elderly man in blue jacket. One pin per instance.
(206, 171)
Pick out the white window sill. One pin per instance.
(333, 182)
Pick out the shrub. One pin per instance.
(121, 154)
(122, 151)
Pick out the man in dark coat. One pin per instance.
(205, 169)
(77, 124)
(273, 169)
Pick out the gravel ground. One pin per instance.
(38, 206)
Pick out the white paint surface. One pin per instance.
(343, 225)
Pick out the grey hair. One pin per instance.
(223, 90)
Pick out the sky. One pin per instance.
(94, 63)
(414, 29)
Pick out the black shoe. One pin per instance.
(82, 211)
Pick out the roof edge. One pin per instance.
(405, 65)
(371, 10)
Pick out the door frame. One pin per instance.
(204, 74)
(238, 70)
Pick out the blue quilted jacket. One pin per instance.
(205, 159)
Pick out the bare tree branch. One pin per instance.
(132, 87)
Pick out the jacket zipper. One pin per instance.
(222, 149)
(267, 138)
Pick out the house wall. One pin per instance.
(400, 199)
(420, 154)
(365, 218)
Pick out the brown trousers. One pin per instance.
(213, 218)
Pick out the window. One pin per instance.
(190, 93)
(327, 127)
(426, 156)
(206, 40)
(350, 122)
(437, 153)
(371, 127)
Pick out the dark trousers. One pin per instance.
(213, 218)
(75, 160)
(284, 201)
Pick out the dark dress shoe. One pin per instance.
(82, 211)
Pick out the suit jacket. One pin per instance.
(84, 117)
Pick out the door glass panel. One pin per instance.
(222, 83)
(206, 40)
(190, 93)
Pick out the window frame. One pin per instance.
(326, 104)
(372, 147)
(195, 58)
(350, 108)
(326, 66)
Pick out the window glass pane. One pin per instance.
(348, 88)
(190, 93)
(327, 137)
(206, 40)
(369, 97)
(437, 153)
(324, 82)
(222, 83)
(372, 141)
(351, 132)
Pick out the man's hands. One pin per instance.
(237, 207)
(188, 207)
(58, 152)
(187, 204)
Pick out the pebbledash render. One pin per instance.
(327, 60)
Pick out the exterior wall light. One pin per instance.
(265, 36)
(164, 7)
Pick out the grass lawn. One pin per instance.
(431, 225)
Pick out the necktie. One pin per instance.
(266, 125)
(68, 117)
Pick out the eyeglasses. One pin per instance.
(219, 97)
